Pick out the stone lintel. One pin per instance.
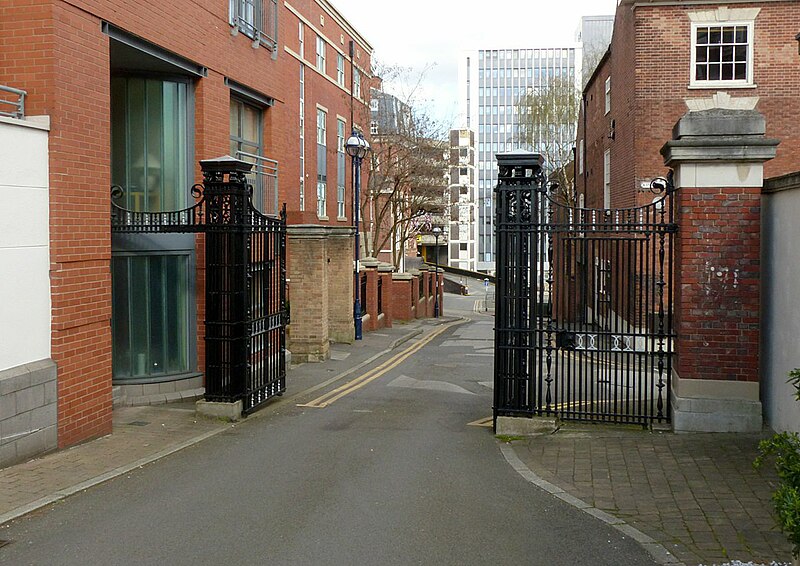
(720, 122)
(317, 232)
(719, 135)
(734, 149)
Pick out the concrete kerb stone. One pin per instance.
(656, 550)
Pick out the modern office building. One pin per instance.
(492, 82)
(462, 248)
(593, 37)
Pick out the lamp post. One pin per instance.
(356, 147)
(436, 233)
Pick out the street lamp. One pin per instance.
(436, 233)
(356, 147)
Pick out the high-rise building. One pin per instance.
(462, 202)
(594, 37)
(493, 81)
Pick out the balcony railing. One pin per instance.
(264, 178)
(12, 103)
(258, 20)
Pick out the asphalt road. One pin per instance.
(388, 472)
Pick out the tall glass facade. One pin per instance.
(152, 275)
(496, 80)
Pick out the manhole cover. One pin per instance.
(138, 423)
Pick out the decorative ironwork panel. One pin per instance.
(245, 254)
(584, 326)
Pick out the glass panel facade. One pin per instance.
(150, 320)
(151, 279)
(148, 123)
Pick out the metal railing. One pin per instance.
(17, 105)
(257, 19)
(264, 178)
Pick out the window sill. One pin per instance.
(342, 219)
(720, 85)
(323, 218)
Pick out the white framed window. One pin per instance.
(607, 179)
(356, 83)
(321, 55)
(722, 54)
(340, 69)
(302, 137)
(373, 128)
(322, 163)
(580, 157)
(301, 31)
(373, 105)
(608, 95)
(340, 168)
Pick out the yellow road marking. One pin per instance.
(373, 374)
(487, 422)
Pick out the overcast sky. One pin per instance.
(432, 34)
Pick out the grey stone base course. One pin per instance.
(524, 426)
(693, 414)
(28, 411)
(215, 410)
(158, 393)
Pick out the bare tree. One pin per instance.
(548, 117)
(406, 176)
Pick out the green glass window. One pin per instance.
(149, 142)
(150, 314)
(151, 276)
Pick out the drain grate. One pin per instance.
(138, 423)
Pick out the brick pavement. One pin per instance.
(695, 494)
(140, 435)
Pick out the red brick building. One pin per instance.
(137, 93)
(730, 73)
(660, 57)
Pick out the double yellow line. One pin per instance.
(373, 374)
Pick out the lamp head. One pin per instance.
(356, 146)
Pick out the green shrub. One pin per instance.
(784, 448)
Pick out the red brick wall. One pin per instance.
(401, 299)
(717, 283)
(648, 97)
(57, 52)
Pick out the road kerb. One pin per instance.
(656, 550)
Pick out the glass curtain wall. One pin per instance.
(152, 275)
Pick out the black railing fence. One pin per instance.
(583, 303)
(245, 269)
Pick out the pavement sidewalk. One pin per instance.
(144, 434)
(696, 495)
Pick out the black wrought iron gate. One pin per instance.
(245, 265)
(583, 303)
